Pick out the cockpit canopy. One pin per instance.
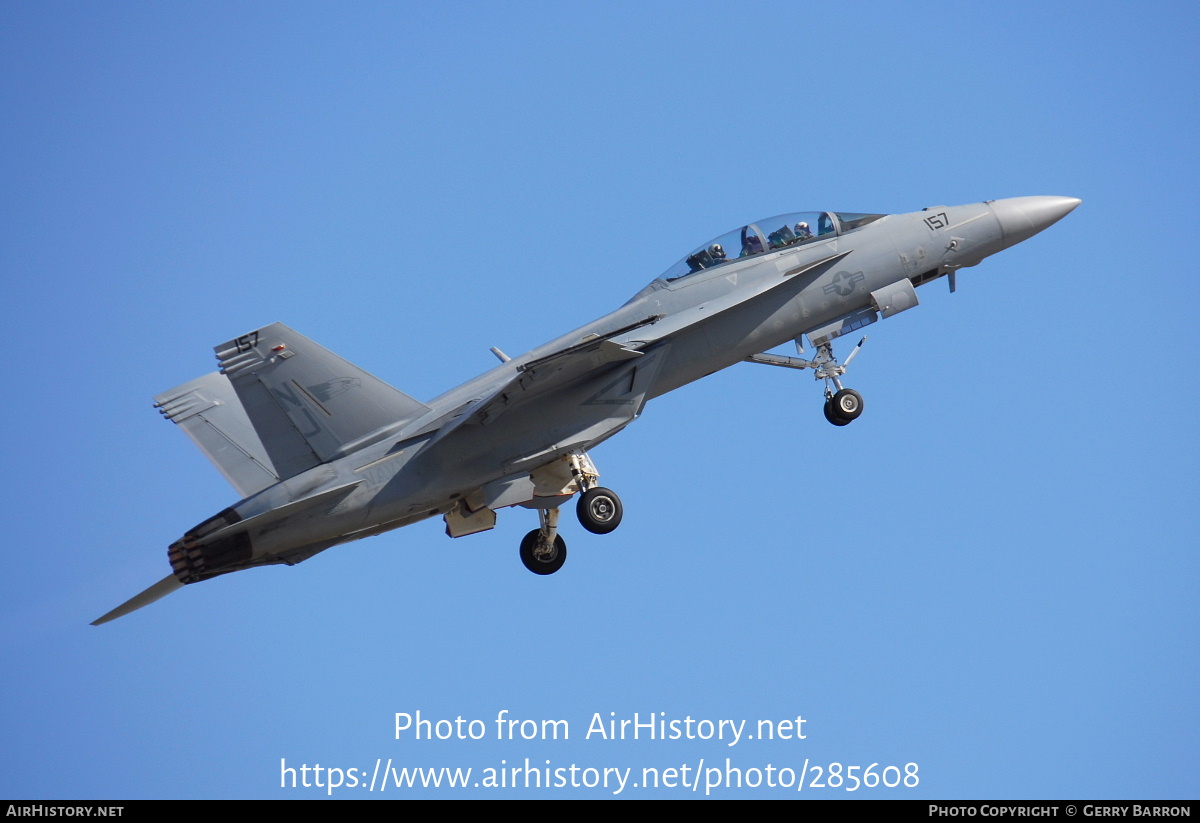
(767, 235)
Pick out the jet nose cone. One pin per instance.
(1023, 217)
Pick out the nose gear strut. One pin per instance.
(842, 405)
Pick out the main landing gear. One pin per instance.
(543, 551)
(599, 510)
(842, 405)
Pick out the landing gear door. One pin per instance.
(895, 297)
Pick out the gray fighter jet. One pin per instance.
(323, 453)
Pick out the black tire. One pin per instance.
(599, 510)
(539, 565)
(829, 415)
(846, 405)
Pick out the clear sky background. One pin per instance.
(992, 574)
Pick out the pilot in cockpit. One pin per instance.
(714, 255)
(802, 232)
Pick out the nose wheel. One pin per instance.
(843, 407)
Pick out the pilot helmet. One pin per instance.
(801, 226)
(716, 251)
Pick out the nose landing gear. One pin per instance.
(842, 405)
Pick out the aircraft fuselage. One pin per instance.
(507, 436)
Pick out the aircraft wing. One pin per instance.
(306, 404)
(592, 355)
(539, 376)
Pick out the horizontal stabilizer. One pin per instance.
(308, 405)
(159, 590)
(210, 413)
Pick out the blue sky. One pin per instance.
(991, 574)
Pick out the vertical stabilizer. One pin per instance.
(308, 405)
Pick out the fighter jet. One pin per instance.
(323, 453)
